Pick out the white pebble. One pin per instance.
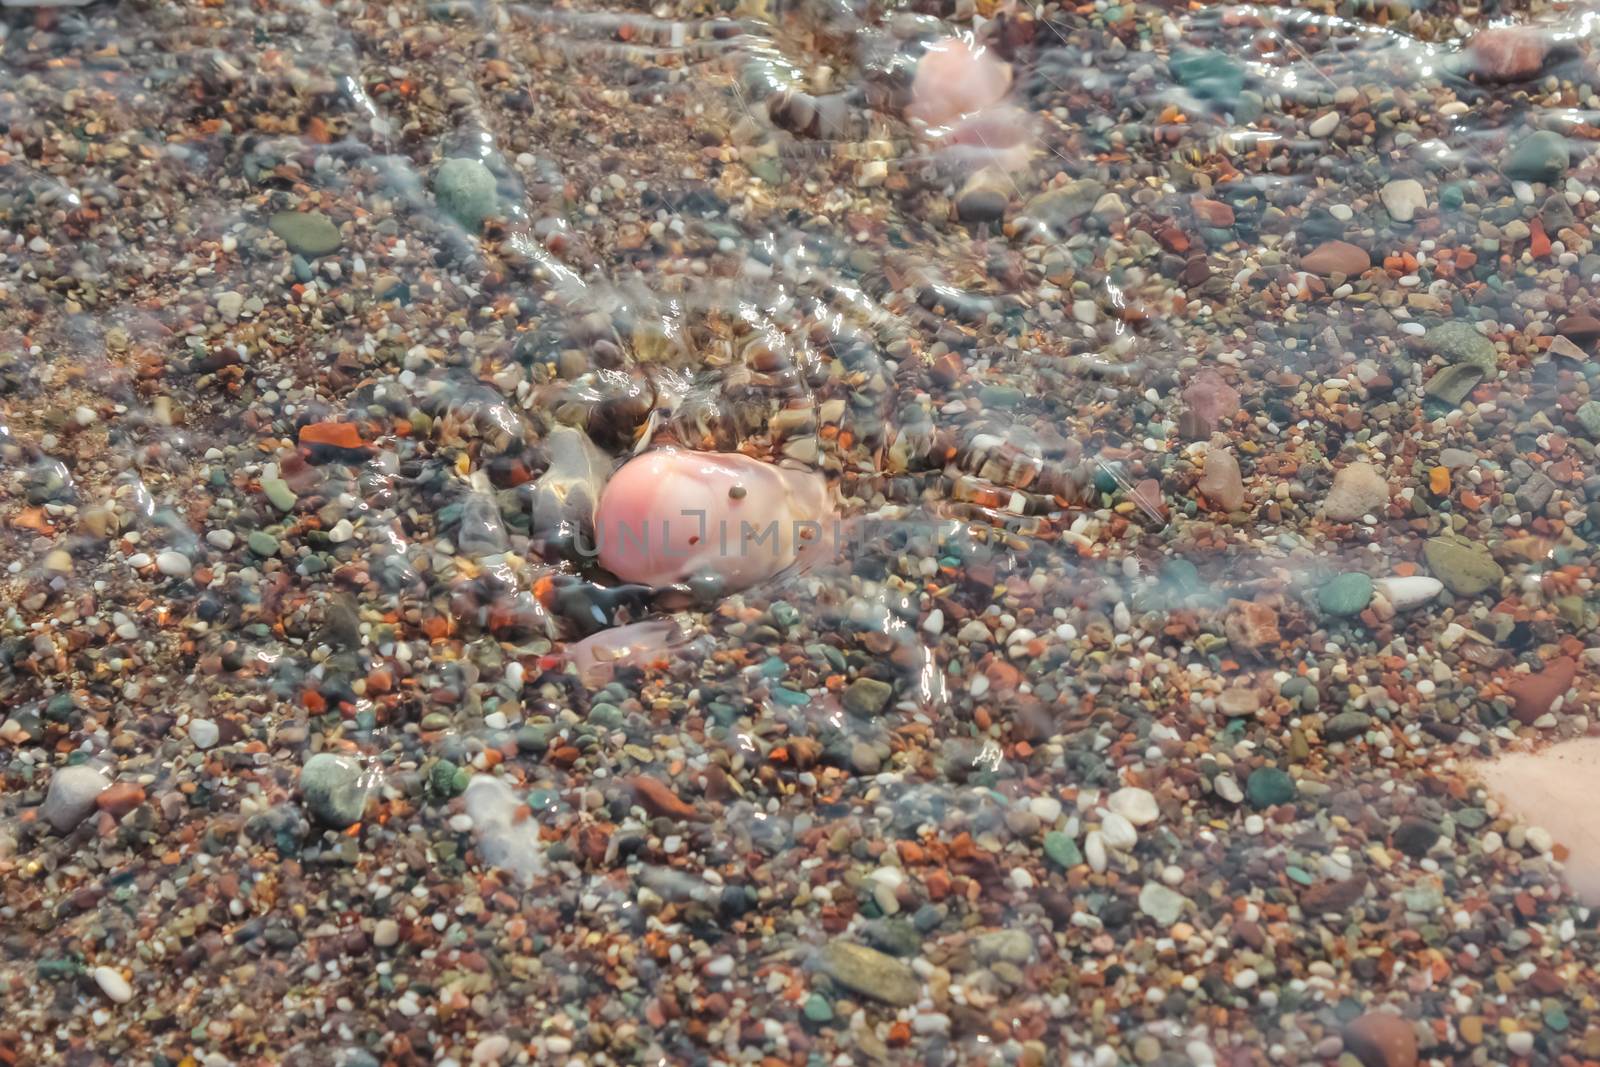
(113, 985)
(1136, 805)
(204, 733)
(173, 564)
(1094, 850)
(1118, 833)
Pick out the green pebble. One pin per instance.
(1062, 850)
(1268, 786)
(605, 715)
(1000, 396)
(1209, 74)
(262, 543)
(1588, 414)
(1348, 594)
(1458, 341)
(278, 493)
(307, 233)
(465, 189)
(443, 778)
(867, 696)
(817, 1009)
(1539, 157)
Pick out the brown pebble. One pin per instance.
(119, 798)
(1533, 694)
(1379, 1039)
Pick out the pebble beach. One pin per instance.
(1180, 639)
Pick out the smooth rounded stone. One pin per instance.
(1162, 903)
(278, 494)
(984, 197)
(1094, 851)
(817, 1009)
(262, 543)
(1239, 701)
(1542, 156)
(1046, 809)
(491, 1049)
(173, 564)
(1136, 805)
(1209, 74)
(1508, 53)
(1465, 569)
(1403, 198)
(1118, 833)
(1269, 786)
(870, 973)
(229, 304)
(1324, 125)
(1407, 592)
(1222, 482)
(223, 539)
(867, 697)
(1062, 850)
(1347, 594)
(204, 733)
(1009, 946)
(1346, 724)
(1336, 257)
(334, 789)
(307, 233)
(1227, 787)
(1359, 489)
(1451, 385)
(1209, 402)
(1060, 205)
(465, 190)
(1588, 415)
(71, 796)
(385, 933)
(1533, 694)
(112, 984)
(1460, 342)
(1380, 1039)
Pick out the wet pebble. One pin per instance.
(71, 796)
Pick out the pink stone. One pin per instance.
(1555, 790)
(1209, 402)
(1508, 53)
(1336, 257)
(669, 515)
(955, 78)
(1222, 483)
(1002, 136)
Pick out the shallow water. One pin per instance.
(260, 503)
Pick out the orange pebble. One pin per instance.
(1439, 480)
